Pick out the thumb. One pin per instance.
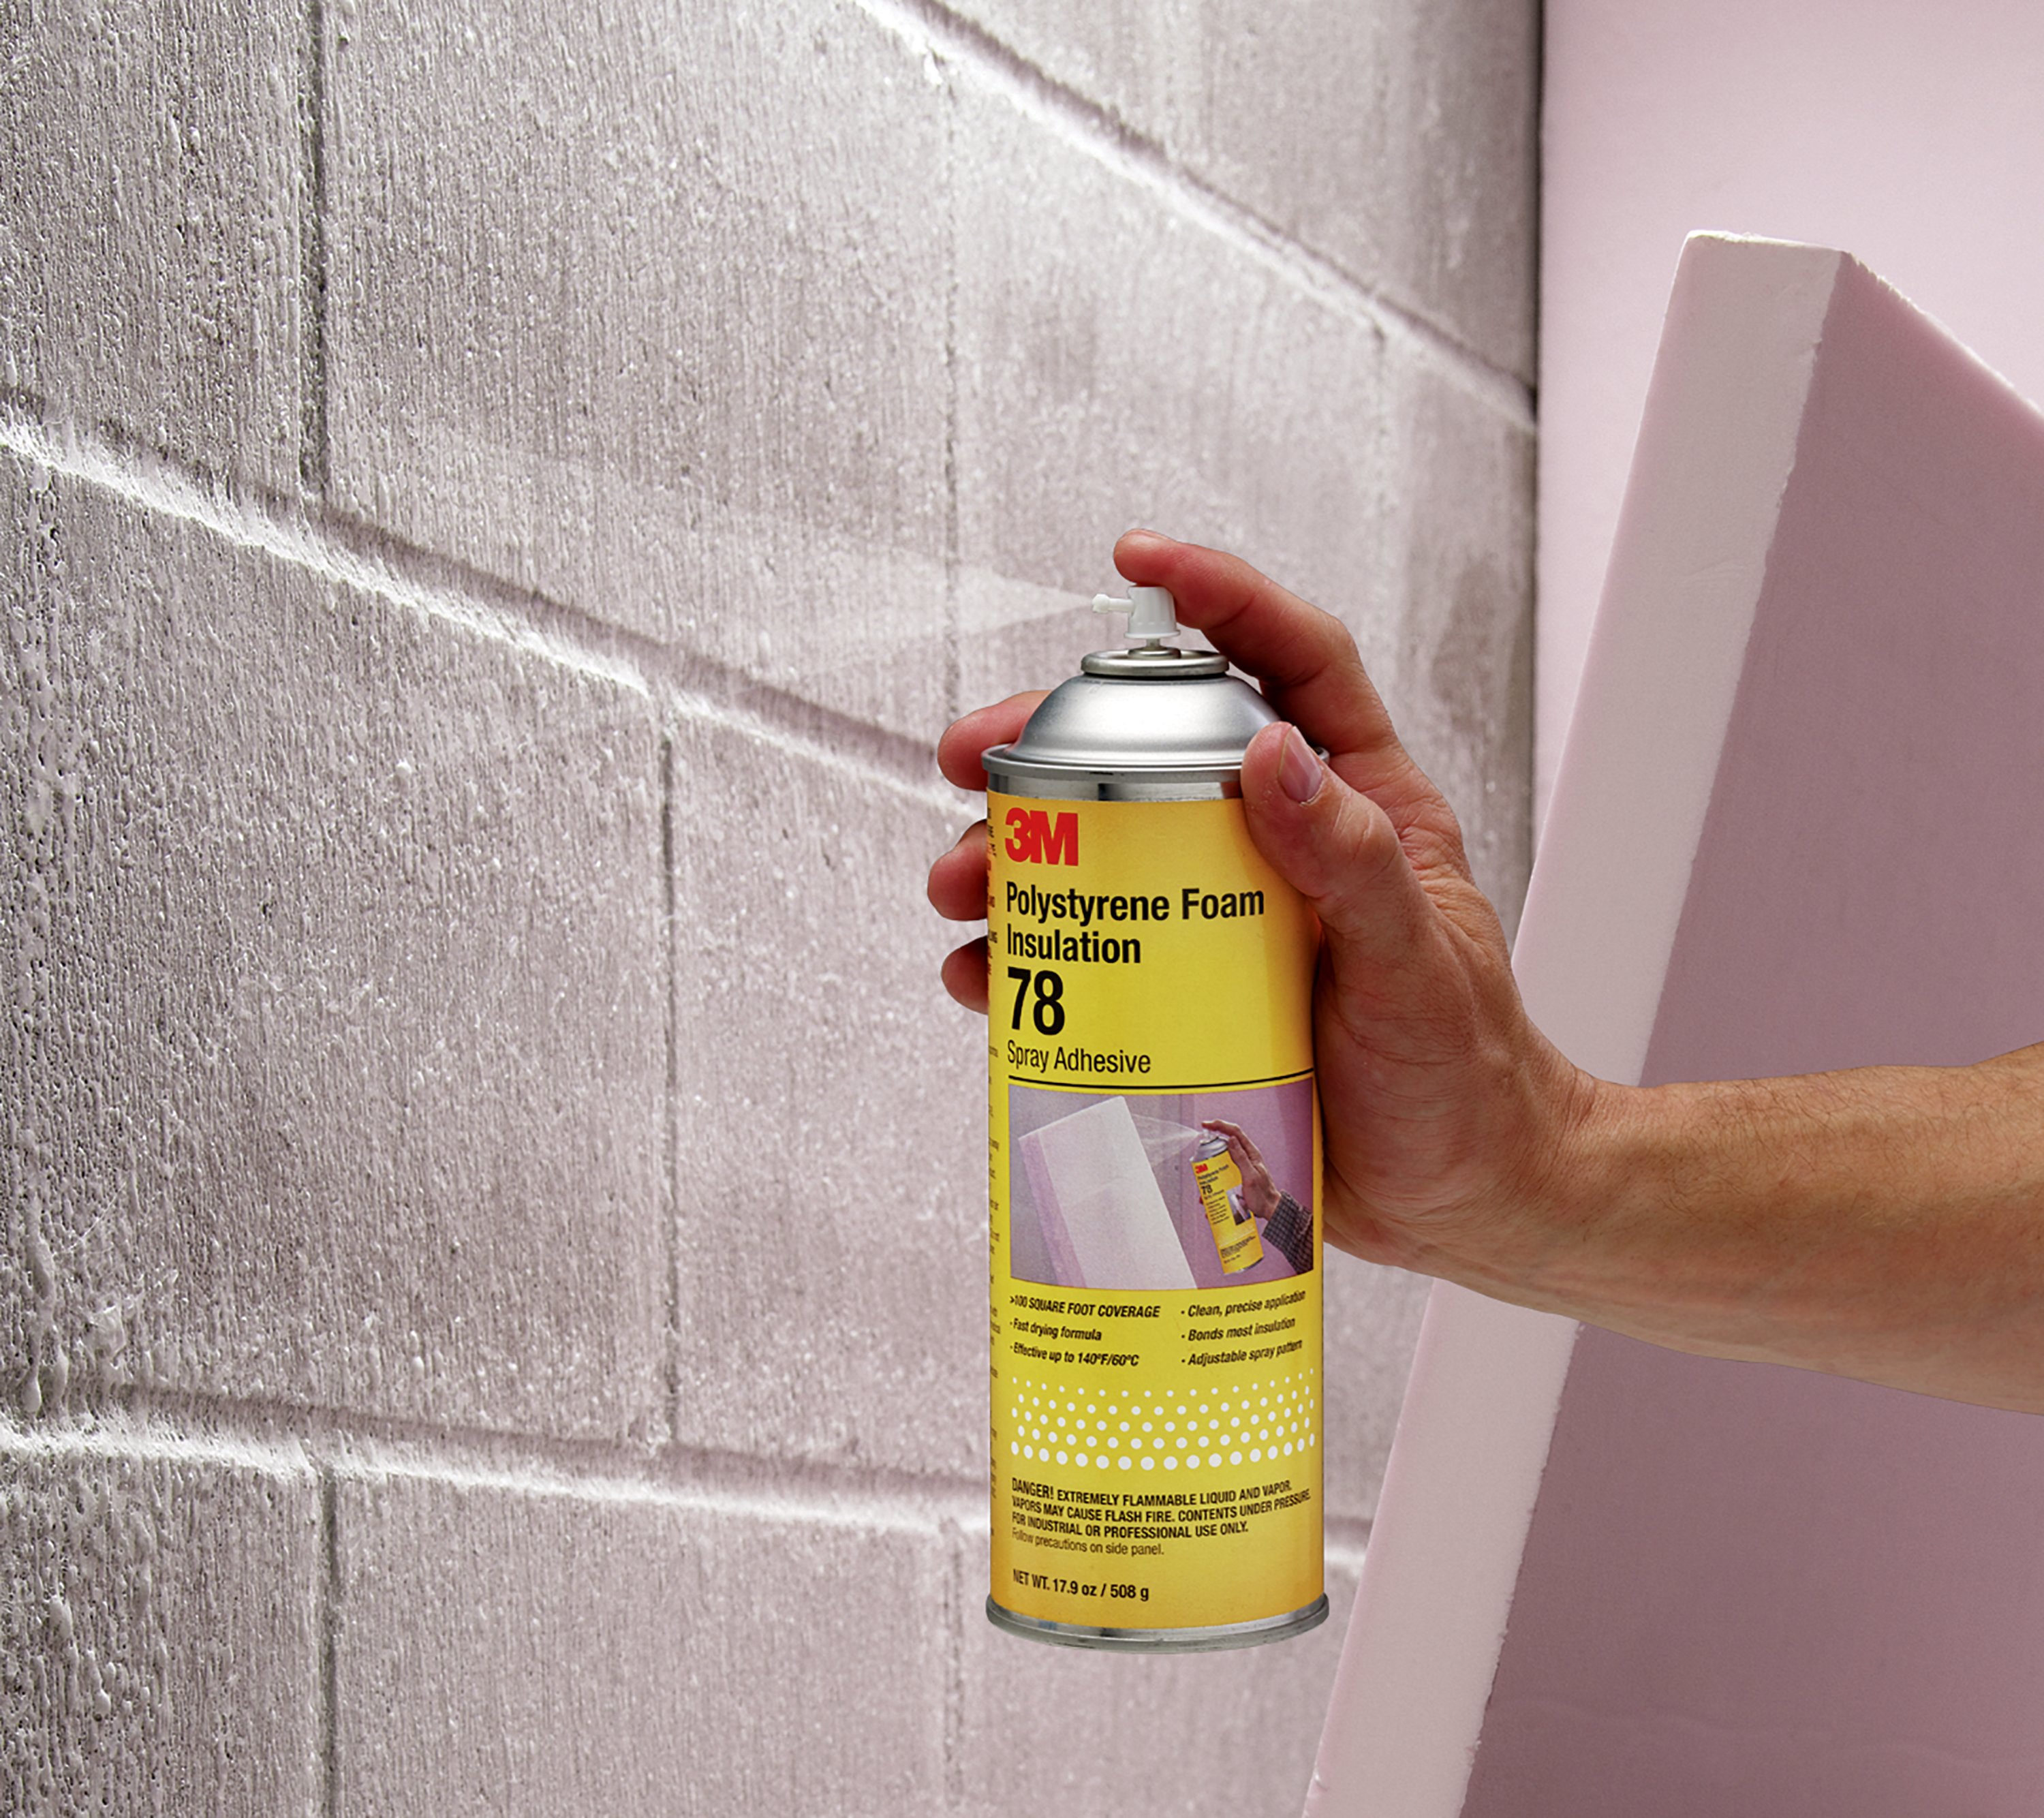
(1339, 851)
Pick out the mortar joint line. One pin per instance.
(954, 636)
(308, 1441)
(314, 451)
(957, 1604)
(326, 1449)
(329, 1640)
(1097, 130)
(312, 538)
(670, 1098)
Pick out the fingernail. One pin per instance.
(1298, 769)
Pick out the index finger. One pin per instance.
(1312, 671)
(957, 751)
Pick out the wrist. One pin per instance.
(1552, 1237)
(1603, 1135)
(1647, 1224)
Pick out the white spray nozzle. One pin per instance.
(1153, 614)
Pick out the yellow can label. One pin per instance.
(1233, 1226)
(1156, 1395)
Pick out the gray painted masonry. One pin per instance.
(495, 503)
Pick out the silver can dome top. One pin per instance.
(1151, 723)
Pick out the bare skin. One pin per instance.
(1886, 1224)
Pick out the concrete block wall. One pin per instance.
(495, 504)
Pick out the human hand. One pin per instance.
(1259, 1192)
(957, 883)
(1444, 1108)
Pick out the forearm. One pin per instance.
(1885, 1223)
(1289, 1231)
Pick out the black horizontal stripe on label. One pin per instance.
(1150, 1087)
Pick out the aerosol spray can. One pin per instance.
(1234, 1230)
(1155, 1412)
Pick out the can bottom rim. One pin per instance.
(1162, 1640)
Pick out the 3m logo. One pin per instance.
(1037, 837)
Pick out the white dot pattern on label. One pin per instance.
(1048, 1422)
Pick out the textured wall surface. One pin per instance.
(495, 504)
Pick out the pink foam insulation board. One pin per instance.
(1105, 1219)
(1796, 825)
